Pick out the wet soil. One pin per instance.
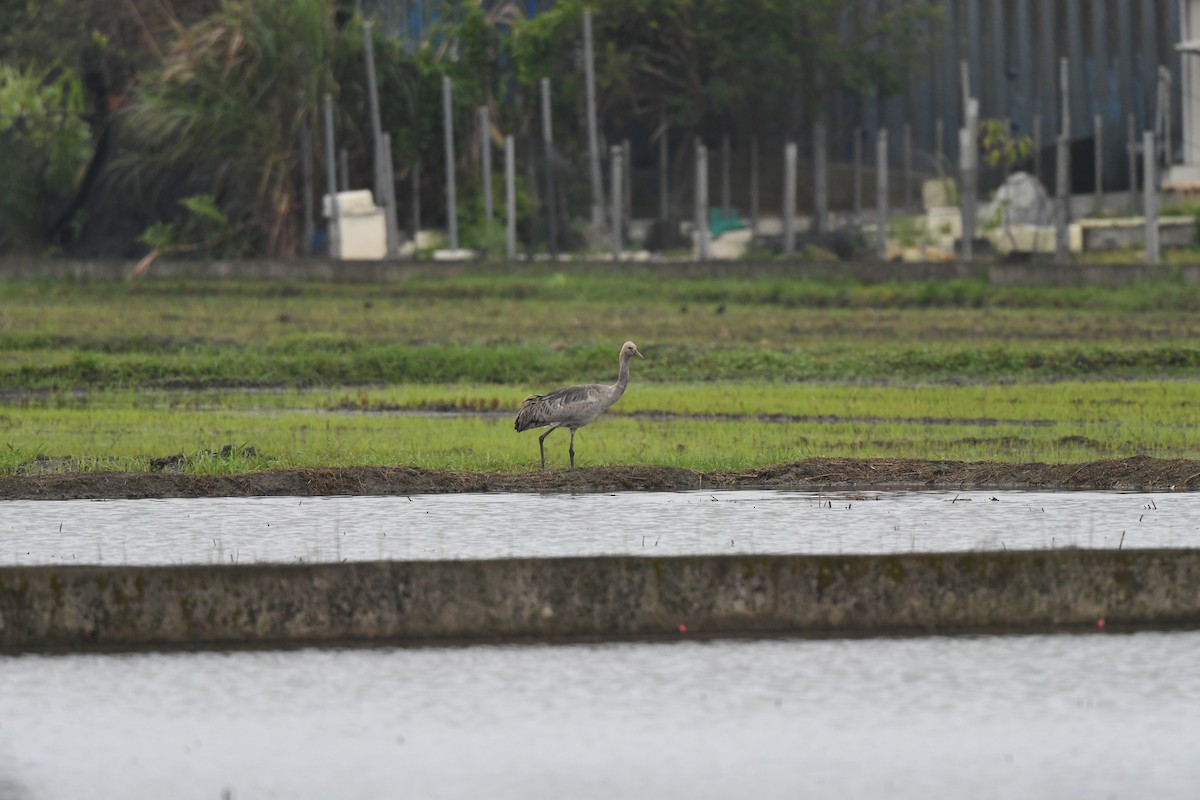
(1130, 474)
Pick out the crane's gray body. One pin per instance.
(573, 407)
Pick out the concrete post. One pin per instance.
(384, 188)
(1150, 196)
(881, 193)
(1131, 148)
(701, 200)
(820, 178)
(1037, 147)
(725, 207)
(389, 191)
(334, 235)
(344, 170)
(548, 142)
(789, 199)
(754, 186)
(1063, 217)
(1098, 126)
(485, 163)
(858, 159)
(589, 63)
(908, 167)
(448, 128)
(510, 198)
(617, 198)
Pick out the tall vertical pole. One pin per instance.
(664, 200)
(881, 193)
(383, 195)
(1131, 148)
(485, 166)
(1150, 196)
(1037, 147)
(908, 167)
(617, 198)
(1063, 217)
(344, 170)
(451, 197)
(334, 237)
(389, 193)
(702, 200)
(548, 142)
(627, 182)
(754, 186)
(968, 171)
(789, 199)
(820, 178)
(726, 212)
(858, 170)
(306, 178)
(510, 198)
(1098, 126)
(939, 143)
(415, 178)
(589, 63)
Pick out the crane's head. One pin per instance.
(629, 349)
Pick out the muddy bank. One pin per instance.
(1138, 473)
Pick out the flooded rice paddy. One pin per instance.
(432, 527)
(1097, 716)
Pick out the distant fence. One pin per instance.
(606, 598)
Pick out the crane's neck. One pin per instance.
(622, 378)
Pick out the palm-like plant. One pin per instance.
(225, 110)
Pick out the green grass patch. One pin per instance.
(723, 426)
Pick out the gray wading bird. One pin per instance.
(573, 406)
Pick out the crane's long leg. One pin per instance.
(572, 450)
(542, 444)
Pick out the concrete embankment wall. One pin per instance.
(593, 598)
(866, 271)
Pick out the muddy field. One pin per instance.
(1131, 474)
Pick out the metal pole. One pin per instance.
(1037, 147)
(939, 143)
(548, 141)
(858, 170)
(789, 199)
(701, 200)
(1098, 127)
(617, 198)
(589, 63)
(306, 178)
(627, 183)
(334, 236)
(451, 198)
(510, 198)
(485, 165)
(1064, 82)
(725, 209)
(820, 178)
(754, 186)
(908, 167)
(881, 192)
(344, 170)
(664, 206)
(1150, 197)
(1131, 147)
(416, 199)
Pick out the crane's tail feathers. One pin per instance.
(530, 414)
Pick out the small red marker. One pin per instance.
(1100, 624)
(682, 628)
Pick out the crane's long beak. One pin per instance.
(638, 353)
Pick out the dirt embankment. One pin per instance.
(1139, 473)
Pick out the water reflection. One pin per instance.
(1023, 717)
(288, 529)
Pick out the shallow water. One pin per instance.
(1094, 716)
(323, 529)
